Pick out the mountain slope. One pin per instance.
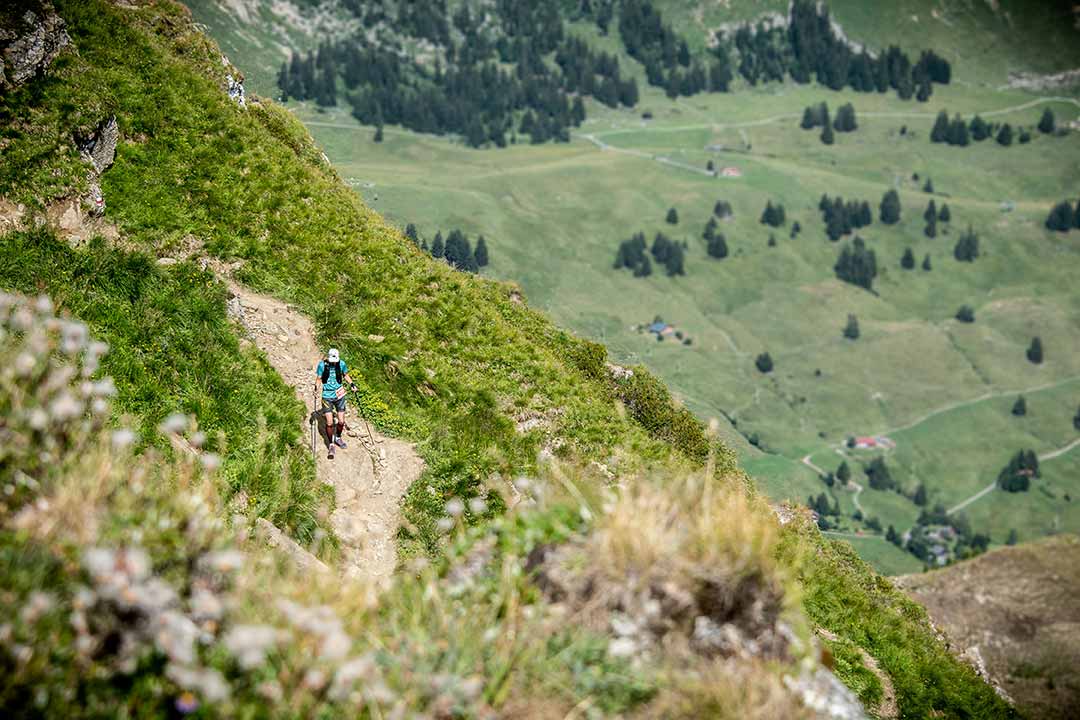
(458, 364)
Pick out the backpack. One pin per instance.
(326, 371)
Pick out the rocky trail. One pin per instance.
(371, 476)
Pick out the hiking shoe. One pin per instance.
(340, 443)
(330, 453)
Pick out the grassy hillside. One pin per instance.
(553, 216)
(1026, 600)
(449, 360)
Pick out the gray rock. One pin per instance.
(278, 540)
(28, 49)
(100, 147)
(823, 693)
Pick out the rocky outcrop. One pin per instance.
(29, 43)
(100, 147)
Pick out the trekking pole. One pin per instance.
(314, 418)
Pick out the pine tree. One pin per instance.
(796, 228)
(967, 247)
(879, 475)
(890, 208)
(1013, 538)
(808, 119)
(944, 215)
(378, 133)
(717, 247)
(979, 129)
(851, 330)
(926, 263)
(1076, 419)
(827, 137)
(1035, 351)
(908, 260)
(412, 234)
(437, 247)
(931, 227)
(1005, 135)
(931, 211)
(892, 536)
(644, 268)
(920, 495)
(928, 187)
(772, 240)
(966, 314)
(672, 217)
(675, 263)
(940, 133)
(1046, 122)
(843, 472)
(481, 254)
(1061, 217)
(710, 230)
(958, 132)
(1019, 408)
(764, 362)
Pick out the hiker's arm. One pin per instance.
(351, 382)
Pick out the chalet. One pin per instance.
(662, 329)
(731, 172)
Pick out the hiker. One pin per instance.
(332, 373)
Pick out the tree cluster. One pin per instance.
(932, 215)
(1063, 217)
(456, 249)
(808, 48)
(841, 218)
(773, 215)
(877, 472)
(967, 247)
(821, 506)
(1017, 475)
(715, 243)
(857, 264)
(633, 254)
(960, 133)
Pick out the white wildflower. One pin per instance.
(174, 424)
(65, 407)
(348, 674)
(99, 406)
(335, 645)
(270, 690)
(37, 604)
(472, 687)
(74, 337)
(22, 319)
(223, 561)
(623, 647)
(444, 524)
(205, 605)
(175, 635)
(478, 506)
(24, 364)
(454, 507)
(104, 388)
(250, 643)
(314, 679)
(38, 420)
(211, 461)
(5, 633)
(197, 439)
(207, 682)
(43, 305)
(84, 598)
(153, 596)
(85, 644)
(99, 562)
(122, 438)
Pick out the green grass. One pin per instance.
(172, 349)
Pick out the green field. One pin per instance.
(554, 214)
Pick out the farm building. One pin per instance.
(731, 172)
(661, 328)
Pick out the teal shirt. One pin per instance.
(330, 387)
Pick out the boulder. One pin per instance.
(29, 46)
(100, 147)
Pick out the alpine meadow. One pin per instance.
(706, 359)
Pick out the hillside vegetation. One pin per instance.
(940, 387)
(117, 565)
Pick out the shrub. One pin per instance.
(966, 314)
(764, 362)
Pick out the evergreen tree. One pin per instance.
(892, 536)
(772, 240)
(676, 260)
(843, 473)
(722, 209)
(931, 211)
(412, 234)
(378, 133)
(890, 208)
(1013, 538)
(1025, 136)
(958, 132)
(710, 229)
(827, 132)
(672, 217)
(717, 247)
(1061, 217)
(857, 265)
(879, 475)
(764, 362)
(926, 263)
(851, 330)
(1076, 216)
(944, 215)
(967, 247)
(1035, 351)
(920, 495)
(928, 187)
(1017, 475)
(1076, 419)
(979, 129)
(481, 254)
(1046, 122)
(796, 228)
(1019, 408)
(931, 227)
(940, 133)
(1005, 135)
(809, 121)
(644, 268)
(966, 314)
(845, 119)
(908, 260)
(437, 247)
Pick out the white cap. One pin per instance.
(333, 356)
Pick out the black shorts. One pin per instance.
(333, 405)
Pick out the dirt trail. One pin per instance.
(369, 479)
